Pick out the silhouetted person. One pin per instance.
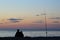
(19, 34)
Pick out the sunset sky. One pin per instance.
(27, 14)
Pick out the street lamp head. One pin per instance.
(43, 14)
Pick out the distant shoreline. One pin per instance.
(12, 29)
(25, 30)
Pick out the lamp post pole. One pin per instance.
(46, 24)
(45, 18)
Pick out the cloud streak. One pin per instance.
(58, 18)
(56, 22)
(39, 21)
(14, 20)
(1, 23)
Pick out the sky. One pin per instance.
(27, 14)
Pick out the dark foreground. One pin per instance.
(30, 38)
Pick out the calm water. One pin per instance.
(29, 33)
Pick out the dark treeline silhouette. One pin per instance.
(19, 34)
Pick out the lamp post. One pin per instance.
(45, 18)
(45, 23)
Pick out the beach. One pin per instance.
(30, 38)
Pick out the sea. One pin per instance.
(6, 33)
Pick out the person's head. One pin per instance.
(17, 30)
